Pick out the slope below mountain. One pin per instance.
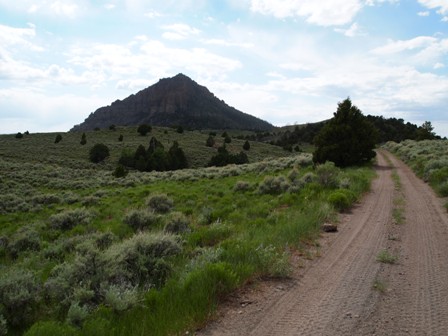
(172, 102)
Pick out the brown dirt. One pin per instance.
(346, 291)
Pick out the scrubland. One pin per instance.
(152, 253)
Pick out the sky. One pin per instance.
(285, 61)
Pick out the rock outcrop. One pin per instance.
(176, 101)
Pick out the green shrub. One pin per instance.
(3, 326)
(442, 189)
(46, 199)
(19, 294)
(84, 273)
(293, 175)
(273, 185)
(385, 257)
(26, 239)
(327, 175)
(241, 186)
(98, 153)
(77, 314)
(177, 223)
(160, 203)
(58, 139)
(48, 328)
(340, 199)
(19, 135)
(121, 298)
(120, 171)
(68, 219)
(141, 260)
(308, 178)
(140, 219)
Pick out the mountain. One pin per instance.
(175, 101)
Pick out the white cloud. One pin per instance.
(421, 51)
(323, 12)
(426, 13)
(226, 43)
(151, 58)
(18, 37)
(352, 31)
(439, 65)
(152, 14)
(179, 31)
(64, 8)
(393, 47)
(110, 6)
(440, 5)
(41, 111)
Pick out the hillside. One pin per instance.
(70, 153)
(171, 102)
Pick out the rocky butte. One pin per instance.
(175, 101)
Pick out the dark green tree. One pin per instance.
(120, 138)
(120, 171)
(83, 139)
(176, 157)
(347, 139)
(426, 131)
(180, 129)
(246, 145)
(58, 138)
(112, 127)
(144, 129)
(19, 135)
(99, 152)
(227, 139)
(210, 141)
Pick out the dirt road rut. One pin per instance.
(347, 291)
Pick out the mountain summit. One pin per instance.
(175, 101)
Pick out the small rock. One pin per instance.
(329, 227)
(240, 312)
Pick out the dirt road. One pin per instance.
(347, 291)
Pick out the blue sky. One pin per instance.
(285, 61)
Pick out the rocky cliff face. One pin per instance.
(172, 102)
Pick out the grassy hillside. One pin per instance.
(40, 147)
(428, 159)
(84, 253)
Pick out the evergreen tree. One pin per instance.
(210, 141)
(58, 138)
(99, 152)
(19, 135)
(120, 138)
(347, 139)
(246, 145)
(177, 158)
(83, 139)
(144, 129)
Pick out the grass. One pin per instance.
(386, 258)
(428, 159)
(379, 286)
(66, 221)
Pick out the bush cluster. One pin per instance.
(160, 203)
(140, 219)
(68, 219)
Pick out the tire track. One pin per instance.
(334, 295)
(417, 300)
(336, 292)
